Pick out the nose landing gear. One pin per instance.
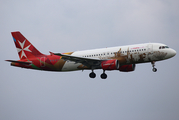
(153, 65)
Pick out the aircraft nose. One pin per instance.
(173, 52)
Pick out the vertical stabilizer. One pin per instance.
(24, 48)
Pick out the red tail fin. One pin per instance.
(24, 48)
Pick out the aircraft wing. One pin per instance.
(89, 62)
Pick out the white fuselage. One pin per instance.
(131, 54)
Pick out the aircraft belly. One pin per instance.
(70, 66)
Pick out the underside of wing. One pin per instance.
(89, 62)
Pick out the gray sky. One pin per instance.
(70, 25)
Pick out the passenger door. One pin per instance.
(150, 52)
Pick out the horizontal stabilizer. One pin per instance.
(22, 62)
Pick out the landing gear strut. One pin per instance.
(103, 75)
(153, 65)
(92, 74)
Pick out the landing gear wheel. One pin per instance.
(103, 76)
(92, 75)
(154, 69)
(153, 65)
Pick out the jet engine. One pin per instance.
(110, 65)
(127, 68)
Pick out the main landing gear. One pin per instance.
(153, 65)
(93, 75)
(103, 75)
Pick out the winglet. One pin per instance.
(59, 54)
(51, 53)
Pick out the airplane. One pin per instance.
(122, 58)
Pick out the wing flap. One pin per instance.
(85, 61)
(75, 57)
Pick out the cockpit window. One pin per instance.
(163, 47)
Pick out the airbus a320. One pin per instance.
(122, 58)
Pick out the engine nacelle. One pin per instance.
(110, 65)
(127, 68)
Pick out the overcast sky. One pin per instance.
(71, 25)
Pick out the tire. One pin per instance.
(154, 69)
(92, 75)
(103, 76)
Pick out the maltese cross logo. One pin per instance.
(22, 49)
